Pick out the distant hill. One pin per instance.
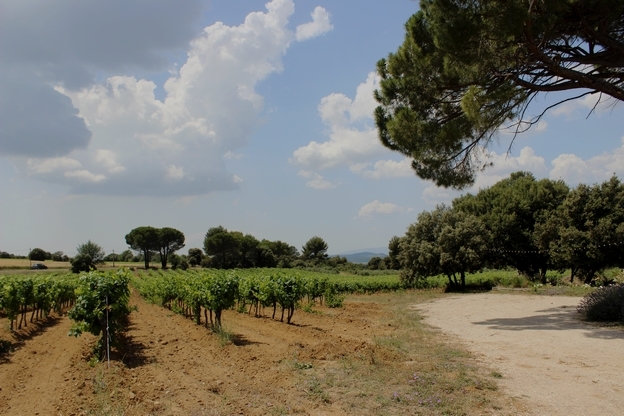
(383, 250)
(362, 257)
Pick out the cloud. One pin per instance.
(319, 25)
(574, 170)
(70, 41)
(108, 159)
(374, 208)
(352, 137)
(52, 164)
(37, 121)
(584, 104)
(141, 145)
(504, 165)
(384, 169)
(317, 181)
(83, 175)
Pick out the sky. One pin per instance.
(253, 115)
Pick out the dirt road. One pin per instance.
(542, 351)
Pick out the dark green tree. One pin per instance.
(144, 239)
(467, 68)
(314, 249)
(419, 253)
(394, 248)
(195, 256)
(37, 254)
(223, 247)
(515, 210)
(83, 263)
(463, 243)
(125, 255)
(170, 241)
(92, 250)
(591, 229)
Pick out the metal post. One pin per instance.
(107, 334)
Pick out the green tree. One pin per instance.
(223, 247)
(467, 68)
(93, 250)
(57, 256)
(37, 254)
(463, 243)
(195, 256)
(394, 248)
(170, 241)
(125, 255)
(83, 263)
(515, 211)
(419, 254)
(145, 240)
(591, 231)
(314, 249)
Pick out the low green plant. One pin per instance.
(333, 299)
(604, 304)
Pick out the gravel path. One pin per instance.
(544, 353)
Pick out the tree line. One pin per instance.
(530, 225)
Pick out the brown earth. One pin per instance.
(334, 362)
(540, 348)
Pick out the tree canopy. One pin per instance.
(170, 241)
(93, 250)
(148, 240)
(144, 239)
(467, 68)
(315, 249)
(520, 222)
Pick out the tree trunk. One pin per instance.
(146, 258)
(463, 279)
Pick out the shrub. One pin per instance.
(82, 263)
(604, 304)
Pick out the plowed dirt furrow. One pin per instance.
(32, 376)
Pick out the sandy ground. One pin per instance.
(561, 365)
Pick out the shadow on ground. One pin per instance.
(555, 319)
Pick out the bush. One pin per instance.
(605, 304)
(82, 263)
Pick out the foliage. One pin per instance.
(590, 231)
(314, 249)
(195, 256)
(93, 250)
(467, 68)
(233, 249)
(517, 211)
(144, 239)
(39, 294)
(419, 250)
(37, 254)
(170, 241)
(604, 304)
(82, 263)
(101, 305)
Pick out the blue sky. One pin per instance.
(251, 115)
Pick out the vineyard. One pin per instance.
(190, 342)
(37, 294)
(208, 292)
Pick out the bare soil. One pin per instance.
(365, 359)
(539, 348)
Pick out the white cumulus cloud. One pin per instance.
(352, 137)
(319, 25)
(375, 208)
(574, 170)
(317, 181)
(384, 169)
(178, 145)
